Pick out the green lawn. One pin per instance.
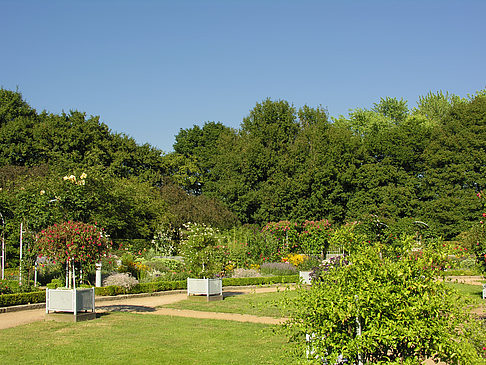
(126, 338)
(473, 292)
(259, 304)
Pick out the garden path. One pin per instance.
(148, 305)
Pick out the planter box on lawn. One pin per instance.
(71, 301)
(211, 288)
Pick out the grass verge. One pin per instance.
(259, 304)
(126, 338)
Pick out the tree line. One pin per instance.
(389, 162)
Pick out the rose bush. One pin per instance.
(73, 243)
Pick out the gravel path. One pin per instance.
(148, 305)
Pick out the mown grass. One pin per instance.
(127, 338)
(259, 304)
(472, 292)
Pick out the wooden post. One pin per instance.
(20, 265)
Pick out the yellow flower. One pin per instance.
(42, 192)
(83, 176)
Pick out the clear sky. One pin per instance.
(149, 68)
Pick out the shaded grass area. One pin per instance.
(127, 338)
(258, 304)
(472, 292)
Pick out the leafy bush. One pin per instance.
(261, 280)
(173, 276)
(277, 268)
(55, 283)
(22, 298)
(309, 263)
(47, 272)
(314, 239)
(202, 251)
(123, 280)
(385, 310)
(164, 264)
(141, 288)
(6, 287)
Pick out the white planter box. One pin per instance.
(305, 277)
(70, 300)
(204, 287)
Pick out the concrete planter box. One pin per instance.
(207, 287)
(70, 300)
(305, 277)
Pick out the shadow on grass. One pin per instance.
(227, 294)
(126, 308)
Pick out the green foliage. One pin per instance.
(261, 280)
(477, 236)
(286, 235)
(315, 235)
(403, 313)
(435, 106)
(8, 300)
(73, 241)
(392, 108)
(202, 251)
(56, 283)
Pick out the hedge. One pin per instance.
(158, 286)
(141, 288)
(261, 280)
(7, 300)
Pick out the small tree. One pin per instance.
(74, 244)
(202, 250)
(381, 310)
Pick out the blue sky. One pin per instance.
(149, 68)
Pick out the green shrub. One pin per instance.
(173, 276)
(261, 280)
(55, 283)
(9, 286)
(47, 272)
(382, 309)
(22, 298)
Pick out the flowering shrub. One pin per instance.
(314, 239)
(203, 254)
(479, 244)
(125, 280)
(73, 241)
(6, 287)
(286, 233)
(294, 259)
(331, 264)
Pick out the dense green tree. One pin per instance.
(12, 107)
(198, 146)
(455, 168)
(435, 106)
(392, 108)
